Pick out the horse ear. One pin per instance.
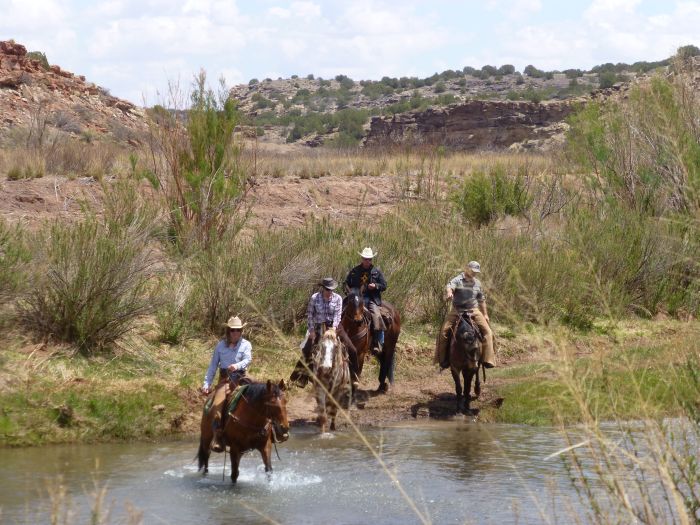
(269, 386)
(282, 385)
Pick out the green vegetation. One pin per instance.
(40, 57)
(484, 197)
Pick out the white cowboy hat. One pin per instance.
(235, 323)
(367, 253)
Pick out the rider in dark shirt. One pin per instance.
(368, 278)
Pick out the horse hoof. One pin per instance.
(383, 389)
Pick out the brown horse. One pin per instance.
(258, 419)
(465, 353)
(357, 322)
(332, 381)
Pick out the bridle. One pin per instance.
(267, 428)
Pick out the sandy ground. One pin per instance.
(276, 202)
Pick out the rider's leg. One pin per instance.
(377, 323)
(300, 375)
(488, 356)
(444, 336)
(217, 411)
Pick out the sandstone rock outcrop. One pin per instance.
(474, 125)
(31, 94)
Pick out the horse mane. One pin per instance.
(257, 391)
(329, 334)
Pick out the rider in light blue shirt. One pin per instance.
(232, 356)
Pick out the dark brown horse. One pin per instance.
(356, 321)
(258, 419)
(465, 353)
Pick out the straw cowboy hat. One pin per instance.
(367, 253)
(235, 323)
(328, 283)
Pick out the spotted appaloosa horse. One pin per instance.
(332, 378)
(465, 354)
(258, 419)
(356, 321)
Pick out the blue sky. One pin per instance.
(135, 47)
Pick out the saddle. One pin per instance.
(387, 316)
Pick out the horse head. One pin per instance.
(276, 409)
(467, 339)
(355, 306)
(326, 350)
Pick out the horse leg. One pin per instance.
(203, 454)
(332, 410)
(235, 460)
(468, 374)
(477, 384)
(266, 453)
(458, 388)
(321, 408)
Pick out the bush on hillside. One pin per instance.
(486, 196)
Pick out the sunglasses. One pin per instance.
(235, 329)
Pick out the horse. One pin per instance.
(464, 355)
(356, 321)
(332, 378)
(258, 419)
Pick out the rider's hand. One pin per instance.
(371, 286)
(312, 334)
(232, 368)
(205, 390)
(449, 296)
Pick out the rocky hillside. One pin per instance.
(40, 97)
(466, 109)
(476, 125)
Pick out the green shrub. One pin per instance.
(484, 197)
(203, 180)
(13, 257)
(643, 151)
(90, 283)
(40, 57)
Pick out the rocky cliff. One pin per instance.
(36, 95)
(474, 125)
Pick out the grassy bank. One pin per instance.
(147, 391)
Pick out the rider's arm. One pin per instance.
(246, 351)
(310, 323)
(481, 299)
(450, 288)
(379, 281)
(337, 309)
(213, 365)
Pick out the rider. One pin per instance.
(232, 356)
(467, 295)
(325, 308)
(370, 280)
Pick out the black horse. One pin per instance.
(465, 354)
